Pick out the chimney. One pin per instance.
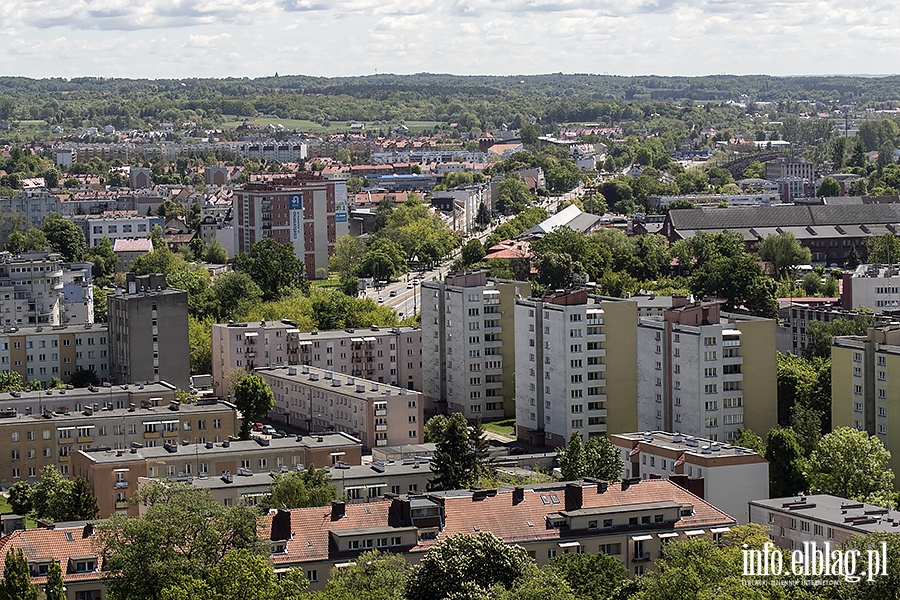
(574, 500)
(338, 509)
(602, 486)
(518, 495)
(400, 506)
(281, 525)
(88, 530)
(697, 486)
(627, 483)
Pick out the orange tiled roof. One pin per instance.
(54, 544)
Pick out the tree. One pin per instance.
(590, 575)
(215, 253)
(472, 252)
(11, 381)
(784, 252)
(819, 333)
(786, 463)
(850, 464)
(54, 589)
(373, 575)
(347, 256)
(273, 266)
(16, 583)
(513, 195)
(301, 489)
(882, 586)
(748, 439)
(254, 398)
(467, 566)
(82, 503)
(83, 378)
(572, 460)
(20, 494)
(434, 429)
(182, 533)
(65, 237)
(884, 249)
(200, 344)
(104, 261)
(829, 188)
(602, 459)
(234, 295)
(32, 240)
(458, 461)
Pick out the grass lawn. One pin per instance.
(506, 427)
(6, 509)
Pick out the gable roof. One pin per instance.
(783, 216)
(45, 545)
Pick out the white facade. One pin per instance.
(274, 150)
(560, 369)
(30, 288)
(876, 287)
(114, 226)
(468, 344)
(78, 293)
(697, 372)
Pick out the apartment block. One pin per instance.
(631, 521)
(148, 338)
(723, 475)
(33, 205)
(355, 483)
(44, 352)
(321, 400)
(308, 212)
(391, 355)
(575, 367)
(876, 287)
(198, 457)
(53, 436)
(468, 344)
(705, 373)
(31, 288)
(78, 293)
(117, 224)
(865, 385)
(820, 519)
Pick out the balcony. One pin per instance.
(150, 435)
(121, 504)
(85, 439)
(381, 413)
(121, 485)
(66, 440)
(731, 343)
(381, 428)
(639, 558)
(169, 434)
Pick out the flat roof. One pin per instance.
(678, 442)
(840, 512)
(325, 379)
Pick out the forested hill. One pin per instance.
(759, 88)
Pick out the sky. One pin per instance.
(254, 38)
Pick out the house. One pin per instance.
(128, 250)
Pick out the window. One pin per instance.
(312, 575)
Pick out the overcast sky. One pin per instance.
(233, 38)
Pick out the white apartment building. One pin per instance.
(322, 400)
(30, 288)
(723, 475)
(468, 343)
(390, 355)
(463, 203)
(287, 151)
(876, 287)
(78, 293)
(124, 224)
(704, 373)
(34, 205)
(563, 342)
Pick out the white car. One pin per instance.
(380, 300)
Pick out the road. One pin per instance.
(406, 301)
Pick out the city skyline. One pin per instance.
(231, 38)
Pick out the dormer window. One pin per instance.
(82, 564)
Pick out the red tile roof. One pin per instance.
(53, 544)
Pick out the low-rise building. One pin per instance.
(391, 355)
(114, 474)
(53, 436)
(117, 224)
(322, 400)
(723, 475)
(820, 518)
(40, 353)
(876, 287)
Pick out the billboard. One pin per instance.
(296, 205)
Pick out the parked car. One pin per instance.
(393, 293)
(268, 430)
(257, 427)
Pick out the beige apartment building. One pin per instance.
(30, 288)
(391, 355)
(53, 435)
(865, 385)
(705, 373)
(322, 400)
(42, 352)
(115, 475)
(148, 332)
(468, 344)
(723, 475)
(575, 367)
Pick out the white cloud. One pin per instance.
(347, 37)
